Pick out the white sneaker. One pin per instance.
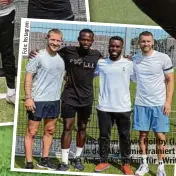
(11, 99)
(161, 172)
(142, 170)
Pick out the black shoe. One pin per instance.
(45, 163)
(62, 167)
(29, 165)
(77, 164)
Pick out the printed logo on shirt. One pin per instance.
(81, 62)
(123, 68)
(76, 61)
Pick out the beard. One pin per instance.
(146, 49)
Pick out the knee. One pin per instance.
(31, 133)
(143, 136)
(67, 130)
(49, 131)
(82, 127)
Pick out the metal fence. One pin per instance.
(38, 31)
(78, 8)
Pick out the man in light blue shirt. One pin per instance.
(114, 104)
(155, 85)
(43, 82)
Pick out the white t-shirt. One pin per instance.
(5, 9)
(114, 81)
(150, 73)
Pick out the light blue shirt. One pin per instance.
(114, 81)
(150, 73)
(48, 72)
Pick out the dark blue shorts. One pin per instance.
(44, 110)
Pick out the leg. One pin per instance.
(49, 128)
(67, 133)
(68, 114)
(160, 125)
(31, 131)
(83, 114)
(123, 123)
(143, 138)
(160, 148)
(105, 124)
(105, 131)
(6, 40)
(142, 122)
(160, 145)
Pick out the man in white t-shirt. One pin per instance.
(7, 15)
(114, 104)
(155, 85)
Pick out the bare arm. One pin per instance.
(169, 92)
(28, 85)
(29, 103)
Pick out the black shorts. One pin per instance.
(45, 110)
(69, 111)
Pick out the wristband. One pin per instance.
(28, 98)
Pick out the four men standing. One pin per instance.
(153, 73)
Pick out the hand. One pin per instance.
(167, 108)
(30, 105)
(33, 53)
(65, 77)
(128, 57)
(5, 2)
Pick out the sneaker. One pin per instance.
(10, 99)
(62, 167)
(126, 169)
(77, 164)
(45, 163)
(29, 165)
(101, 167)
(161, 172)
(142, 170)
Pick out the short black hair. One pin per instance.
(145, 33)
(86, 31)
(116, 38)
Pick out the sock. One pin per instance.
(160, 164)
(144, 159)
(10, 92)
(78, 152)
(65, 153)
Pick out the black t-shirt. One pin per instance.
(50, 9)
(78, 90)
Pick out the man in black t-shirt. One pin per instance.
(53, 9)
(77, 96)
